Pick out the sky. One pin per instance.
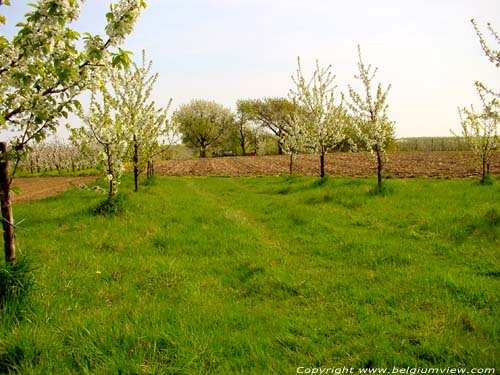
(225, 50)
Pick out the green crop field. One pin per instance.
(254, 275)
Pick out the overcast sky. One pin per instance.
(224, 50)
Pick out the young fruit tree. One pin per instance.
(480, 130)
(147, 125)
(295, 137)
(369, 115)
(42, 71)
(323, 119)
(202, 123)
(108, 129)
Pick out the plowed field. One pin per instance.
(400, 164)
(34, 188)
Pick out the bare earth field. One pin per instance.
(33, 188)
(401, 164)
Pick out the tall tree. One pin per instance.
(202, 123)
(370, 117)
(42, 71)
(323, 118)
(108, 129)
(271, 113)
(243, 118)
(146, 124)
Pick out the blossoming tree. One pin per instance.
(43, 69)
(369, 115)
(148, 127)
(480, 130)
(323, 119)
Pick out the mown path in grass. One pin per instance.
(262, 275)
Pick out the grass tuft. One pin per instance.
(111, 206)
(16, 287)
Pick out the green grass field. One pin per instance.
(261, 276)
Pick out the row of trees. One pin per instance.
(47, 65)
(313, 119)
(59, 156)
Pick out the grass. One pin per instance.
(261, 276)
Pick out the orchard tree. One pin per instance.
(202, 123)
(272, 114)
(42, 71)
(480, 130)
(147, 126)
(108, 129)
(323, 120)
(243, 119)
(295, 136)
(370, 118)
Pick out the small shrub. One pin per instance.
(111, 206)
(16, 285)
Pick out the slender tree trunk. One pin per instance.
(291, 163)
(150, 169)
(379, 168)
(243, 142)
(322, 165)
(203, 152)
(243, 149)
(135, 160)
(112, 186)
(7, 218)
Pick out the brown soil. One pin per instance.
(400, 164)
(34, 188)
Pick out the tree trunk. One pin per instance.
(150, 169)
(291, 163)
(379, 168)
(112, 186)
(242, 143)
(203, 152)
(7, 218)
(135, 160)
(322, 165)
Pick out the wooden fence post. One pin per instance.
(7, 219)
